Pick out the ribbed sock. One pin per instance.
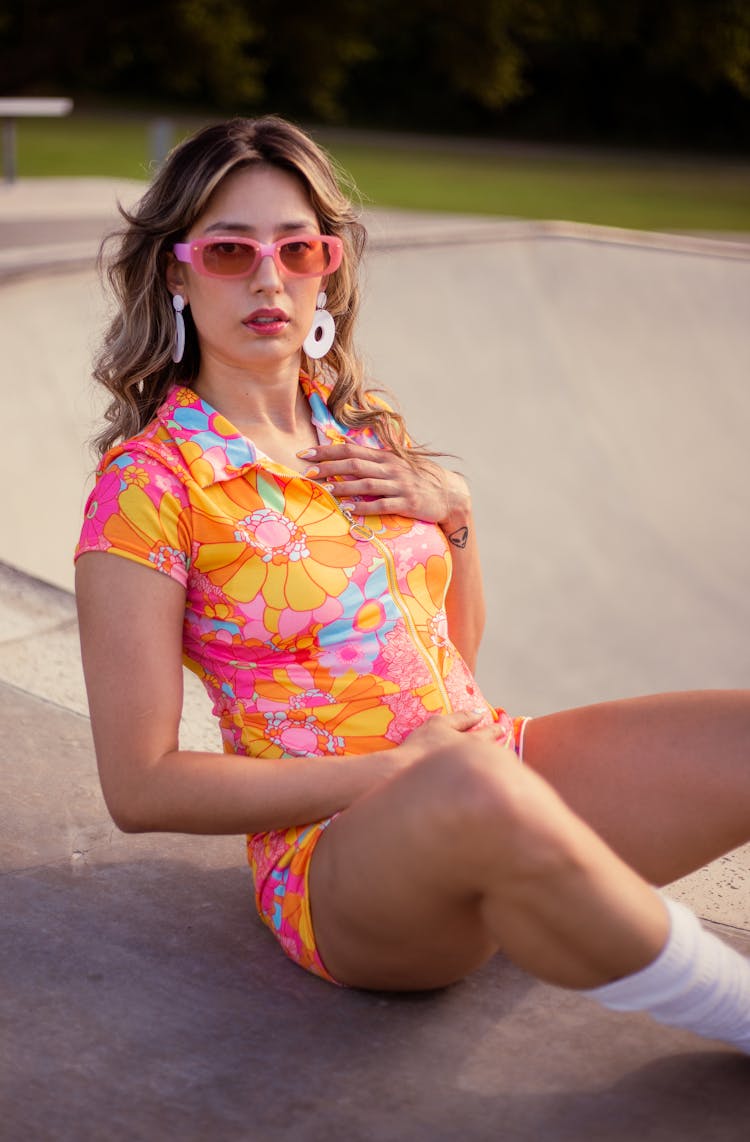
(697, 982)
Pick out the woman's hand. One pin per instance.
(441, 730)
(390, 484)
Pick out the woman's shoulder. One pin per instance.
(154, 446)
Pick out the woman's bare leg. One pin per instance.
(466, 853)
(665, 780)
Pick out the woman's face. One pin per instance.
(258, 322)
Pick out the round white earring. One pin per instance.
(321, 337)
(178, 302)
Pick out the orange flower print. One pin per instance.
(134, 474)
(292, 547)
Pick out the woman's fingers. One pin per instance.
(463, 720)
(342, 451)
(380, 482)
(440, 730)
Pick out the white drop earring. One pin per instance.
(178, 302)
(321, 337)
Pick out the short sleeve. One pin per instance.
(139, 509)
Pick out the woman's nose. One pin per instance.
(267, 274)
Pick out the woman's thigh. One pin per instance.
(665, 780)
(393, 903)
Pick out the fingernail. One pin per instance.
(307, 454)
(347, 505)
(312, 472)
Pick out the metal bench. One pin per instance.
(24, 108)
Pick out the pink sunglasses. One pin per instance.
(299, 256)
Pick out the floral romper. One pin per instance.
(315, 633)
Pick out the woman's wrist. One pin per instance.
(455, 523)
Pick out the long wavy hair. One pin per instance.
(134, 362)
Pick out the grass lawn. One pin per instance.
(618, 189)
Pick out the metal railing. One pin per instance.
(12, 108)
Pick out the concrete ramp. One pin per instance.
(593, 386)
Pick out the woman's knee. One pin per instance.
(485, 805)
(472, 787)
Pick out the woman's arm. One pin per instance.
(464, 603)
(130, 620)
(425, 491)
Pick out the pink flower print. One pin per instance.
(102, 504)
(254, 628)
(300, 736)
(404, 561)
(309, 699)
(276, 537)
(168, 559)
(264, 851)
(408, 714)
(300, 676)
(224, 704)
(349, 656)
(464, 693)
(163, 481)
(292, 623)
(202, 587)
(404, 662)
(217, 458)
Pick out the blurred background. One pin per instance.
(584, 355)
(634, 114)
(606, 346)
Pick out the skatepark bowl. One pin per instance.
(592, 384)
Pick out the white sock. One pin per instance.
(697, 982)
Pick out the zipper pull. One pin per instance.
(356, 530)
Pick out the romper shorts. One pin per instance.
(282, 894)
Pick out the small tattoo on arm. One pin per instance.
(460, 537)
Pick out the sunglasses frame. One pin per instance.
(192, 254)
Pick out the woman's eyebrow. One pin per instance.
(243, 227)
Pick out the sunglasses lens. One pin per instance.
(229, 259)
(305, 256)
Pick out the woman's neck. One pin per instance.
(271, 410)
(270, 399)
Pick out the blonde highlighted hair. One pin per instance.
(134, 362)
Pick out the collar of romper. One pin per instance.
(214, 450)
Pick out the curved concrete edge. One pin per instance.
(66, 198)
(40, 261)
(70, 199)
(29, 262)
(389, 231)
(40, 655)
(396, 230)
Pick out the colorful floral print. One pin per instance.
(310, 640)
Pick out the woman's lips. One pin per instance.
(266, 322)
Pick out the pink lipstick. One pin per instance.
(266, 322)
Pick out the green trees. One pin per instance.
(532, 66)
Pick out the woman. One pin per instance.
(303, 544)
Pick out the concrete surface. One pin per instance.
(593, 384)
